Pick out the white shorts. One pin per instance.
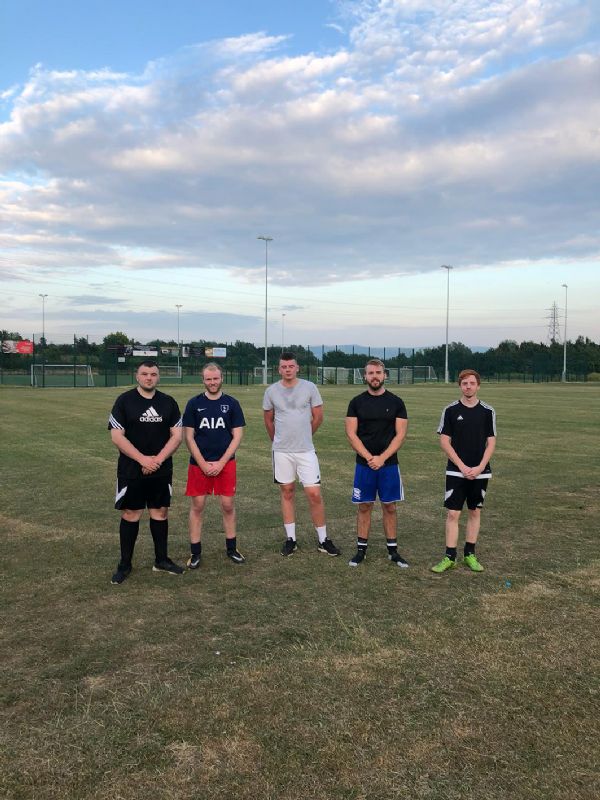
(286, 466)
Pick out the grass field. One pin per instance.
(300, 678)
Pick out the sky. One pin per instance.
(145, 146)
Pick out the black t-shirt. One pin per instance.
(376, 415)
(469, 429)
(147, 423)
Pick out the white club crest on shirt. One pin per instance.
(224, 408)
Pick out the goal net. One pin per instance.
(170, 373)
(401, 375)
(333, 374)
(61, 375)
(258, 375)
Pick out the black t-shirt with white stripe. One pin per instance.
(147, 423)
(469, 428)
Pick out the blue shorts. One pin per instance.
(385, 482)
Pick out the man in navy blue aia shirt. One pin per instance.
(468, 437)
(213, 424)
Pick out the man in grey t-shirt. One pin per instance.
(293, 410)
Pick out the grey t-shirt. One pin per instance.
(293, 415)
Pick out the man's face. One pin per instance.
(288, 369)
(147, 378)
(469, 386)
(213, 380)
(374, 376)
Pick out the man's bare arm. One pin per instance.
(269, 419)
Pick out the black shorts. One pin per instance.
(460, 489)
(151, 491)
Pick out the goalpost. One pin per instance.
(61, 375)
(170, 371)
(401, 375)
(333, 375)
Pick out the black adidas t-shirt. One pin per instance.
(376, 415)
(147, 423)
(469, 429)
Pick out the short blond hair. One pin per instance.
(212, 365)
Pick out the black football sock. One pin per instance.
(231, 544)
(128, 533)
(159, 528)
(451, 553)
(196, 548)
(362, 545)
(392, 546)
(469, 548)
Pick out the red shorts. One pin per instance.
(199, 484)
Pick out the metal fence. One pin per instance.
(125, 376)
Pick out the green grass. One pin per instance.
(302, 678)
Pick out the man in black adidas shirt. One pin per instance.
(376, 425)
(468, 437)
(145, 426)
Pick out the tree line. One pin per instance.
(508, 358)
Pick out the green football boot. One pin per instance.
(471, 562)
(445, 564)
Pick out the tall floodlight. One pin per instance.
(564, 374)
(44, 296)
(178, 306)
(447, 267)
(266, 240)
(282, 331)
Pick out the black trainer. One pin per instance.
(289, 546)
(167, 566)
(328, 547)
(194, 560)
(120, 575)
(358, 558)
(397, 559)
(236, 556)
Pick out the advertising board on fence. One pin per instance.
(215, 352)
(22, 346)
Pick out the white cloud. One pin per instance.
(440, 132)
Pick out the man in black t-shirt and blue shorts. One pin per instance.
(213, 423)
(145, 426)
(376, 425)
(468, 438)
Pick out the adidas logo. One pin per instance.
(151, 415)
(459, 418)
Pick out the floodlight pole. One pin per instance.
(564, 372)
(178, 306)
(282, 331)
(44, 296)
(447, 267)
(266, 240)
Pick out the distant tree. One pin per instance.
(112, 339)
(4, 334)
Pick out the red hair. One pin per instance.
(466, 373)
